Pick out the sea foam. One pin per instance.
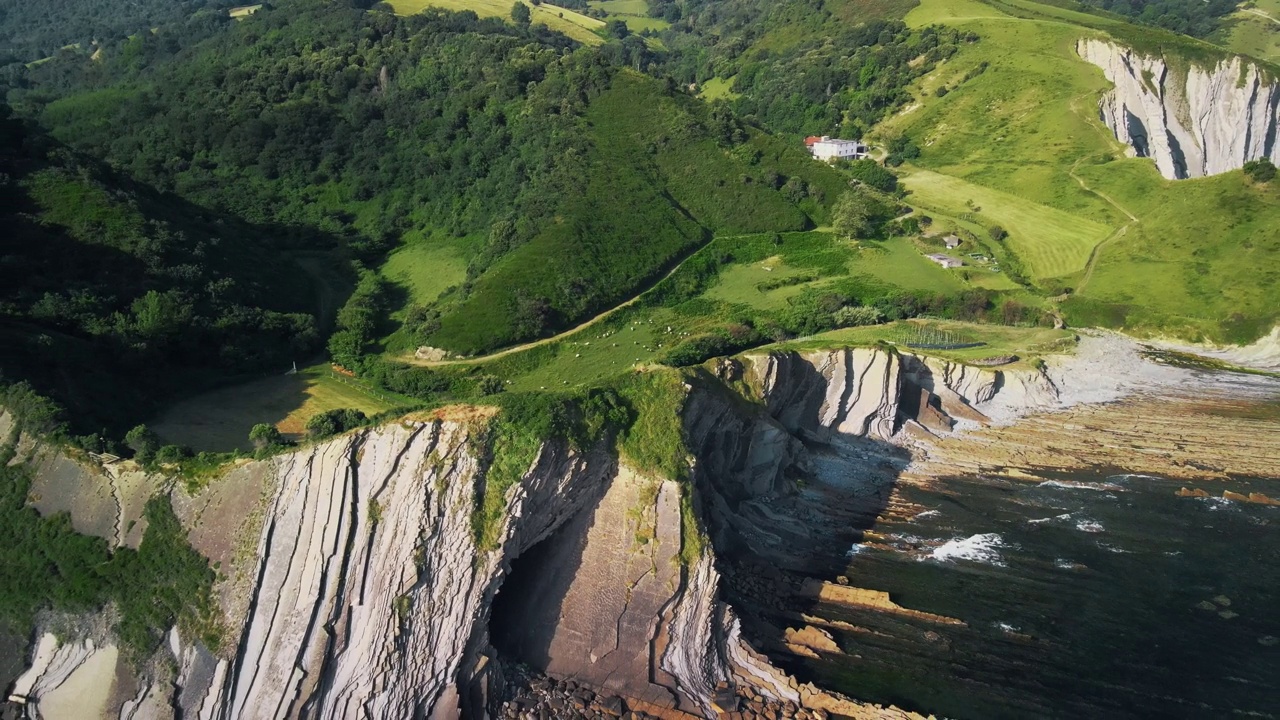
(981, 548)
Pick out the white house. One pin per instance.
(827, 148)
(951, 241)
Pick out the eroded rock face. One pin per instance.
(367, 597)
(371, 586)
(1194, 123)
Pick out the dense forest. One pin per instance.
(363, 125)
(249, 166)
(103, 279)
(33, 30)
(803, 67)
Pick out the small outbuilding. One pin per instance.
(945, 261)
(952, 241)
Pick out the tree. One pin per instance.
(900, 150)
(333, 422)
(521, 14)
(997, 233)
(852, 215)
(143, 442)
(264, 435)
(617, 29)
(870, 172)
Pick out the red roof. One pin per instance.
(811, 140)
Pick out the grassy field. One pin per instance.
(741, 283)
(1019, 138)
(426, 267)
(221, 420)
(1026, 343)
(1204, 260)
(1049, 242)
(635, 13)
(1254, 30)
(1019, 125)
(573, 24)
(718, 89)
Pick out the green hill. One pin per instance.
(651, 187)
(1014, 141)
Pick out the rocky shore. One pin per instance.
(355, 587)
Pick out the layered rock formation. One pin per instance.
(1193, 121)
(361, 591)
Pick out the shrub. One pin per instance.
(172, 454)
(871, 173)
(264, 435)
(143, 442)
(333, 422)
(1260, 170)
(857, 316)
(36, 413)
(997, 233)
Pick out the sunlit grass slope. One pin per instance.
(1019, 138)
(573, 24)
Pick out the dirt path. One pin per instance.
(1119, 233)
(1259, 13)
(412, 360)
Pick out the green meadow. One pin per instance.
(635, 13)
(1016, 142)
(1050, 242)
(573, 24)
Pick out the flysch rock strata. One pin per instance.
(371, 585)
(366, 596)
(1193, 121)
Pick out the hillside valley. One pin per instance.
(450, 359)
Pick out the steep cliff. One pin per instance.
(365, 595)
(1193, 121)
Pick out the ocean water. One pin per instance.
(1103, 596)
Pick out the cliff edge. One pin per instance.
(1193, 121)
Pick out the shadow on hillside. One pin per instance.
(83, 243)
(778, 527)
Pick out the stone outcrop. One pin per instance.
(1193, 121)
(371, 588)
(357, 589)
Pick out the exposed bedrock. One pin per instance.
(367, 597)
(1193, 121)
(371, 588)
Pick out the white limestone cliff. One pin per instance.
(1193, 122)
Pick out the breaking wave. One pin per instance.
(1089, 526)
(1070, 485)
(980, 548)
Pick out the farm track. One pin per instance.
(1121, 231)
(413, 360)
